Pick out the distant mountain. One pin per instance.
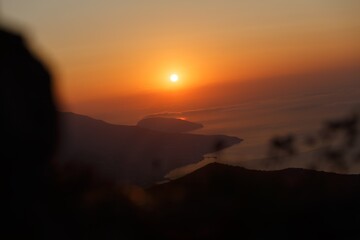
(220, 201)
(164, 124)
(130, 154)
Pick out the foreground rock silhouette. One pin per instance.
(28, 135)
(38, 200)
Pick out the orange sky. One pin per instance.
(103, 49)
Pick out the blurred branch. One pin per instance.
(336, 142)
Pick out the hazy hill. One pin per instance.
(130, 154)
(165, 124)
(219, 200)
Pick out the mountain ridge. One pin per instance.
(130, 154)
(221, 201)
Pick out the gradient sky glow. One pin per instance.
(110, 48)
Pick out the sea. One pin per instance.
(301, 116)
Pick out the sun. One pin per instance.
(174, 78)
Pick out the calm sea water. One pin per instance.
(258, 121)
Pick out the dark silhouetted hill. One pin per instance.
(173, 125)
(130, 154)
(220, 201)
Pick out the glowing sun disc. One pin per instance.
(174, 77)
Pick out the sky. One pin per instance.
(101, 50)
